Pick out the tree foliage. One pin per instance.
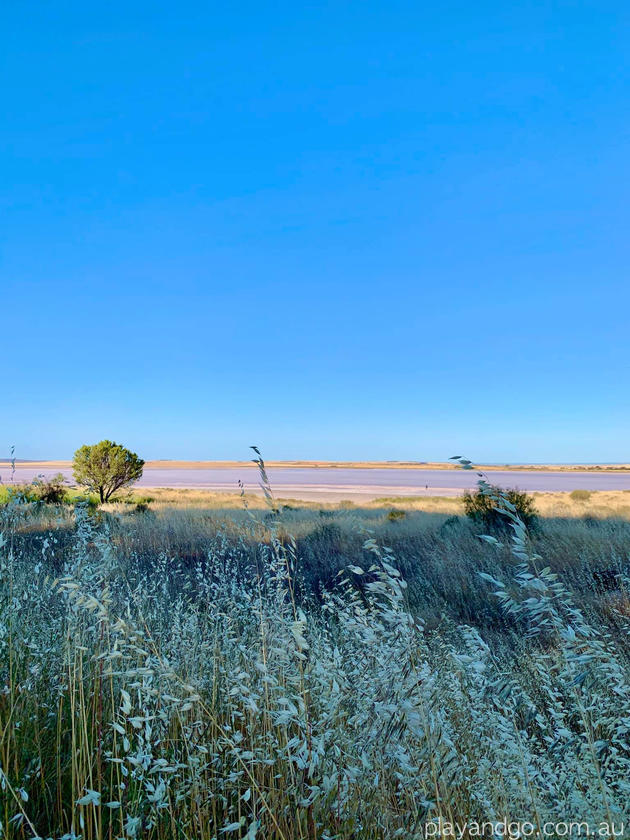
(106, 467)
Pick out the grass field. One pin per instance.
(193, 669)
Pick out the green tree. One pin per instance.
(106, 467)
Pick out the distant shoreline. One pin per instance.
(366, 465)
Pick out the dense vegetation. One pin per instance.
(485, 508)
(295, 674)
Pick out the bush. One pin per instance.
(50, 490)
(395, 514)
(17, 493)
(481, 508)
(580, 495)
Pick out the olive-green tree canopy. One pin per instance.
(106, 467)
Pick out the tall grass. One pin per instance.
(290, 675)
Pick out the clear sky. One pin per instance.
(390, 230)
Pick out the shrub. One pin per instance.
(395, 514)
(134, 500)
(481, 508)
(51, 490)
(17, 492)
(580, 495)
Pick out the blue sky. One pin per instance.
(349, 230)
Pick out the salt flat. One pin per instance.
(333, 484)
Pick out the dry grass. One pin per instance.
(601, 504)
(196, 671)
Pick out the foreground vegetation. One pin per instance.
(308, 673)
